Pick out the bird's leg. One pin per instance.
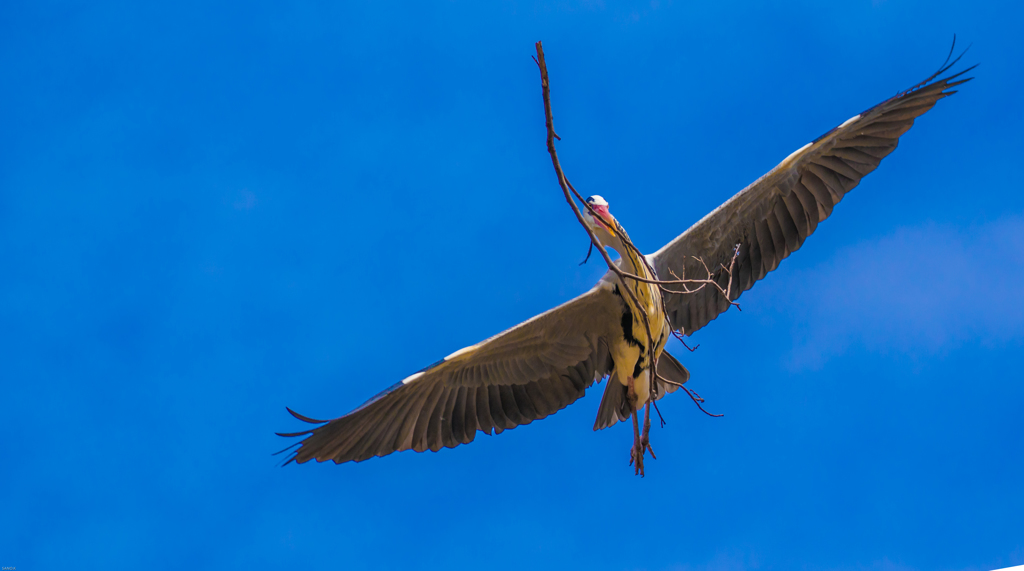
(636, 453)
(645, 442)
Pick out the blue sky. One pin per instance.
(209, 212)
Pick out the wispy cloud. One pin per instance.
(885, 564)
(246, 200)
(724, 561)
(919, 291)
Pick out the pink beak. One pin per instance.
(603, 216)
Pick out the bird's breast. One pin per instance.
(635, 331)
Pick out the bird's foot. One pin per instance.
(636, 457)
(646, 444)
(645, 441)
(641, 442)
(640, 447)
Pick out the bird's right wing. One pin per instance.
(523, 374)
(772, 217)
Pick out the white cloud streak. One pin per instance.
(920, 291)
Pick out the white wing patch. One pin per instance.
(796, 152)
(412, 378)
(462, 351)
(848, 121)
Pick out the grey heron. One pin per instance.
(546, 363)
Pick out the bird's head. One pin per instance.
(604, 223)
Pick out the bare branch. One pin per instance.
(550, 123)
(569, 191)
(642, 443)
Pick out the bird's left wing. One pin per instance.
(773, 216)
(523, 374)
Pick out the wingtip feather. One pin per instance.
(304, 418)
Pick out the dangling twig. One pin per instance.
(590, 250)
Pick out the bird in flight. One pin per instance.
(545, 363)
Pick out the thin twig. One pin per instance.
(693, 395)
(590, 250)
(656, 409)
(679, 336)
(697, 400)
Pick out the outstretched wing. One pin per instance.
(772, 217)
(528, 372)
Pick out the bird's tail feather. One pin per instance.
(670, 368)
(614, 404)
